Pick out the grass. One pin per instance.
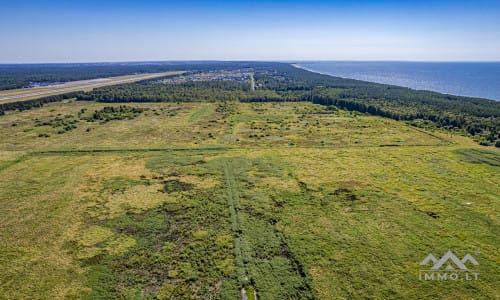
(314, 205)
(480, 156)
(194, 125)
(201, 112)
(396, 217)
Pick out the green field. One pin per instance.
(199, 200)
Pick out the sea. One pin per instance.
(473, 79)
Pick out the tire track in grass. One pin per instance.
(265, 263)
(240, 256)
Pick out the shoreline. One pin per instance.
(298, 66)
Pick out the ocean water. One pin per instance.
(472, 79)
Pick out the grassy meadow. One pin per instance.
(199, 200)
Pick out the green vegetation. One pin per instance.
(281, 82)
(109, 113)
(198, 200)
(61, 124)
(202, 112)
(187, 92)
(480, 156)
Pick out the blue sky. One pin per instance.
(87, 31)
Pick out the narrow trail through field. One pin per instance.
(234, 207)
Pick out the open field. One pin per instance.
(72, 86)
(197, 200)
(227, 124)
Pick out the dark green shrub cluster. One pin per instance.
(109, 113)
(62, 124)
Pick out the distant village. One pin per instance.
(235, 75)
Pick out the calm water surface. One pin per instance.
(462, 78)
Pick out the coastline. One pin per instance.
(414, 84)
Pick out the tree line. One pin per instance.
(34, 103)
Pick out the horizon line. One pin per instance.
(245, 60)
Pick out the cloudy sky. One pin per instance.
(88, 31)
